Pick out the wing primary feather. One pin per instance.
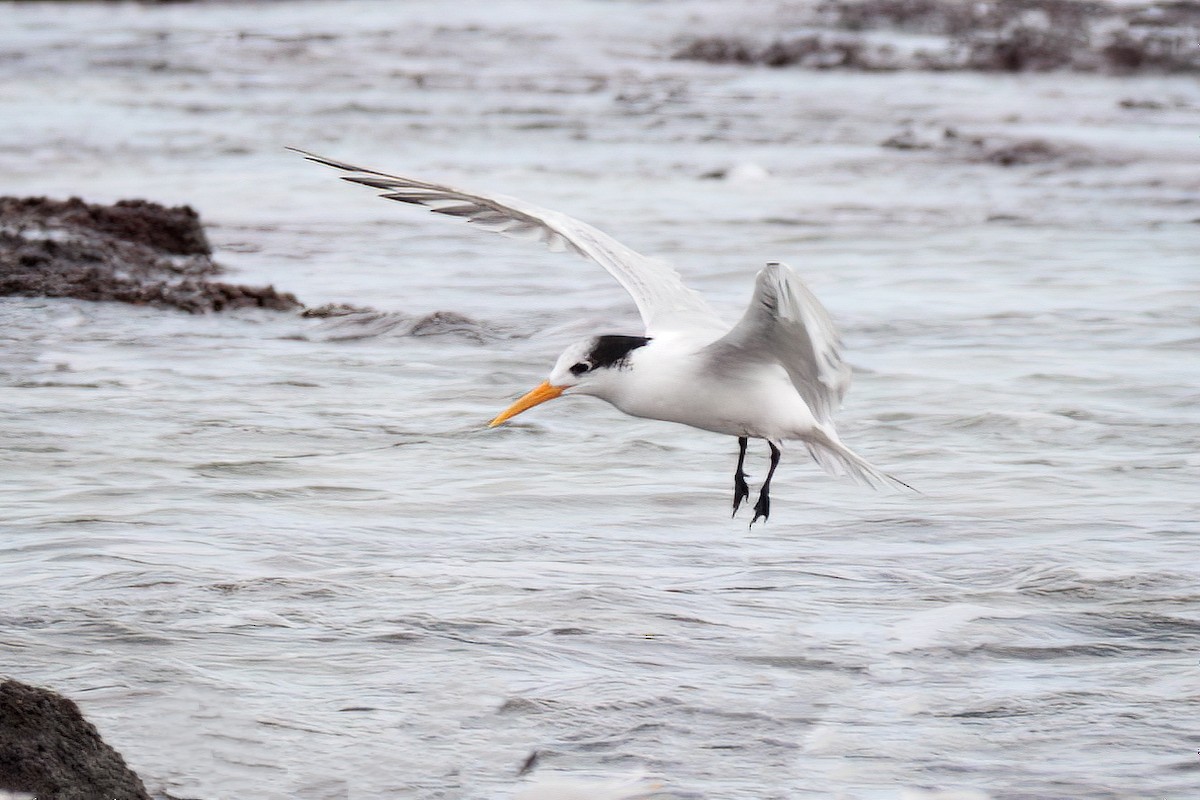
(663, 300)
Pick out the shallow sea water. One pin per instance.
(280, 557)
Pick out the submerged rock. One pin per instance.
(133, 251)
(48, 750)
(999, 150)
(810, 51)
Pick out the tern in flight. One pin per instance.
(776, 374)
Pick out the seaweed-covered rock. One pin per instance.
(48, 750)
(810, 51)
(990, 36)
(133, 251)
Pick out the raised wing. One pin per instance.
(664, 302)
(786, 324)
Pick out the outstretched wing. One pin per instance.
(663, 300)
(786, 324)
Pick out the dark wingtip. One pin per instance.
(330, 162)
(316, 159)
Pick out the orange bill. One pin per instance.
(538, 396)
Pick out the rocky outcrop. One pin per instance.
(988, 36)
(133, 251)
(48, 750)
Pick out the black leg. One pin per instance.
(763, 507)
(740, 490)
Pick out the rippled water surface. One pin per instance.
(280, 557)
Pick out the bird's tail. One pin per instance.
(837, 459)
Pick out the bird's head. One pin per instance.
(587, 367)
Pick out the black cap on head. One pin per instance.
(613, 351)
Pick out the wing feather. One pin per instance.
(662, 299)
(786, 324)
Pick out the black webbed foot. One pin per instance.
(740, 491)
(762, 509)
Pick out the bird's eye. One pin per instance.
(580, 368)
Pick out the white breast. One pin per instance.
(671, 381)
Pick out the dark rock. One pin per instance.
(1019, 153)
(988, 36)
(1023, 48)
(999, 150)
(133, 251)
(823, 52)
(815, 51)
(916, 16)
(958, 18)
(171, 230)
(907, 139)
(1176, 103)
(50, 751)
(1152, 50)
(718, 50)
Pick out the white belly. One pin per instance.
(761, 403)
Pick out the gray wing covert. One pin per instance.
(786, 324)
